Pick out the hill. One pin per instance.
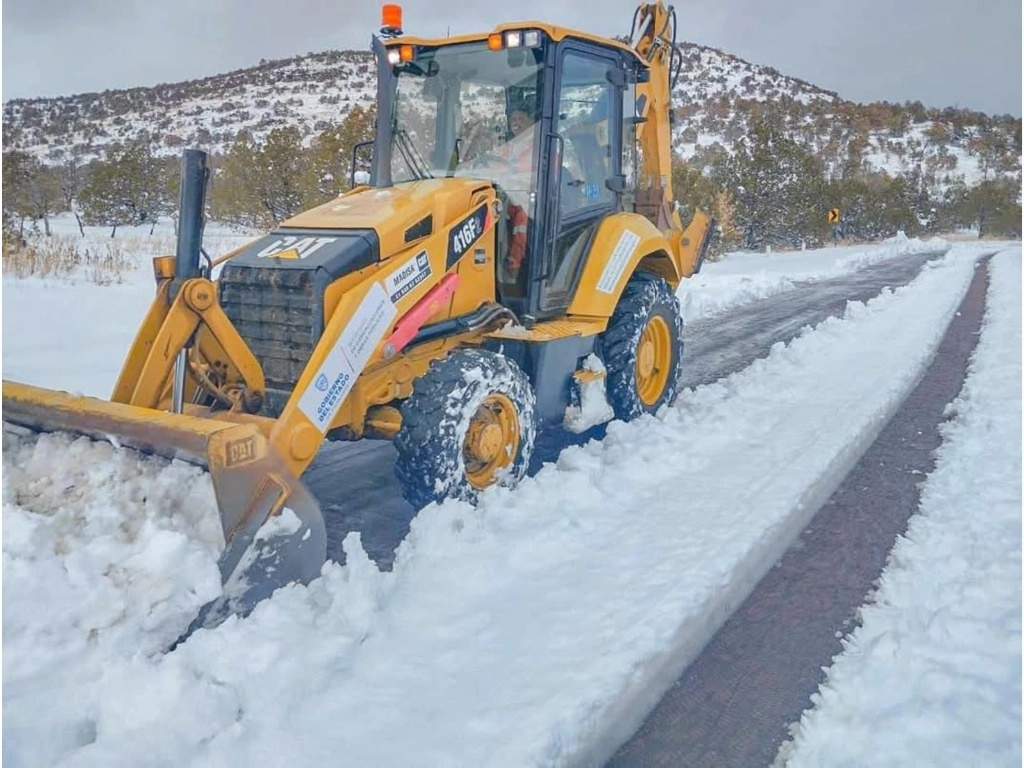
(716, 96)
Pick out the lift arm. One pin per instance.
(653, 38)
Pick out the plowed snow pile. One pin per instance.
(745, 277)
(104, 553)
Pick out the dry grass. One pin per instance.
(108, 264)
(67, 257)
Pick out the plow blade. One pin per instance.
(273, 529)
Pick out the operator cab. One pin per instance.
(546, 115)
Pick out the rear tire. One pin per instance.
(643, 347)
(469, 424)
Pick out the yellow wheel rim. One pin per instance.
(653, 359)
(492, 441)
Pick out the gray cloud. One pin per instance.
(942, 52)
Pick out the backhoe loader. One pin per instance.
(518, 224)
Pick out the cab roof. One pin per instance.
(556, 33)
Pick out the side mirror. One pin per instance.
(433, 86)
(516, 57)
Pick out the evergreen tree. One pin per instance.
(693, 190)
(44, 198)
(261, 184)
(777, 185)
(331, 155)
(31, 191)
(873, 206)
(128, 188)
(72, 178)
(729, 236)
(17, 178)
(993, 208)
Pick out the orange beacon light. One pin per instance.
(391, 19)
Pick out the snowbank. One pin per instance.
(742, 277)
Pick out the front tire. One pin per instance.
(469, 424)
(643, 347)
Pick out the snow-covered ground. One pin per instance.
(529, 630)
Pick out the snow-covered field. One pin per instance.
(529, 630)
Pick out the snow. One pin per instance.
(536, 628)
(306, 91)
(102, 318)
(946, 619)
(744, 277)
(114, 554)
(593, 407)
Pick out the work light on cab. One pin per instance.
(522, 38)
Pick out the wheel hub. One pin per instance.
(653, 360)
(485, 441)
(492, 440)
(645, 358)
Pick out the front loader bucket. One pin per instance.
(252, 484)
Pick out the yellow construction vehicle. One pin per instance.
(518, 222)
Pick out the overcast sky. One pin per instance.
(964, 53)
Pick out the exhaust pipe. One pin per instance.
(191, 206)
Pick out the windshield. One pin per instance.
(465, 110)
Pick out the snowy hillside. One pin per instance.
(309, 92)
(716, 96)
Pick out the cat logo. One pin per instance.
(240, 451)
(293, 247)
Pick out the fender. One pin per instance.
(621, 243)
